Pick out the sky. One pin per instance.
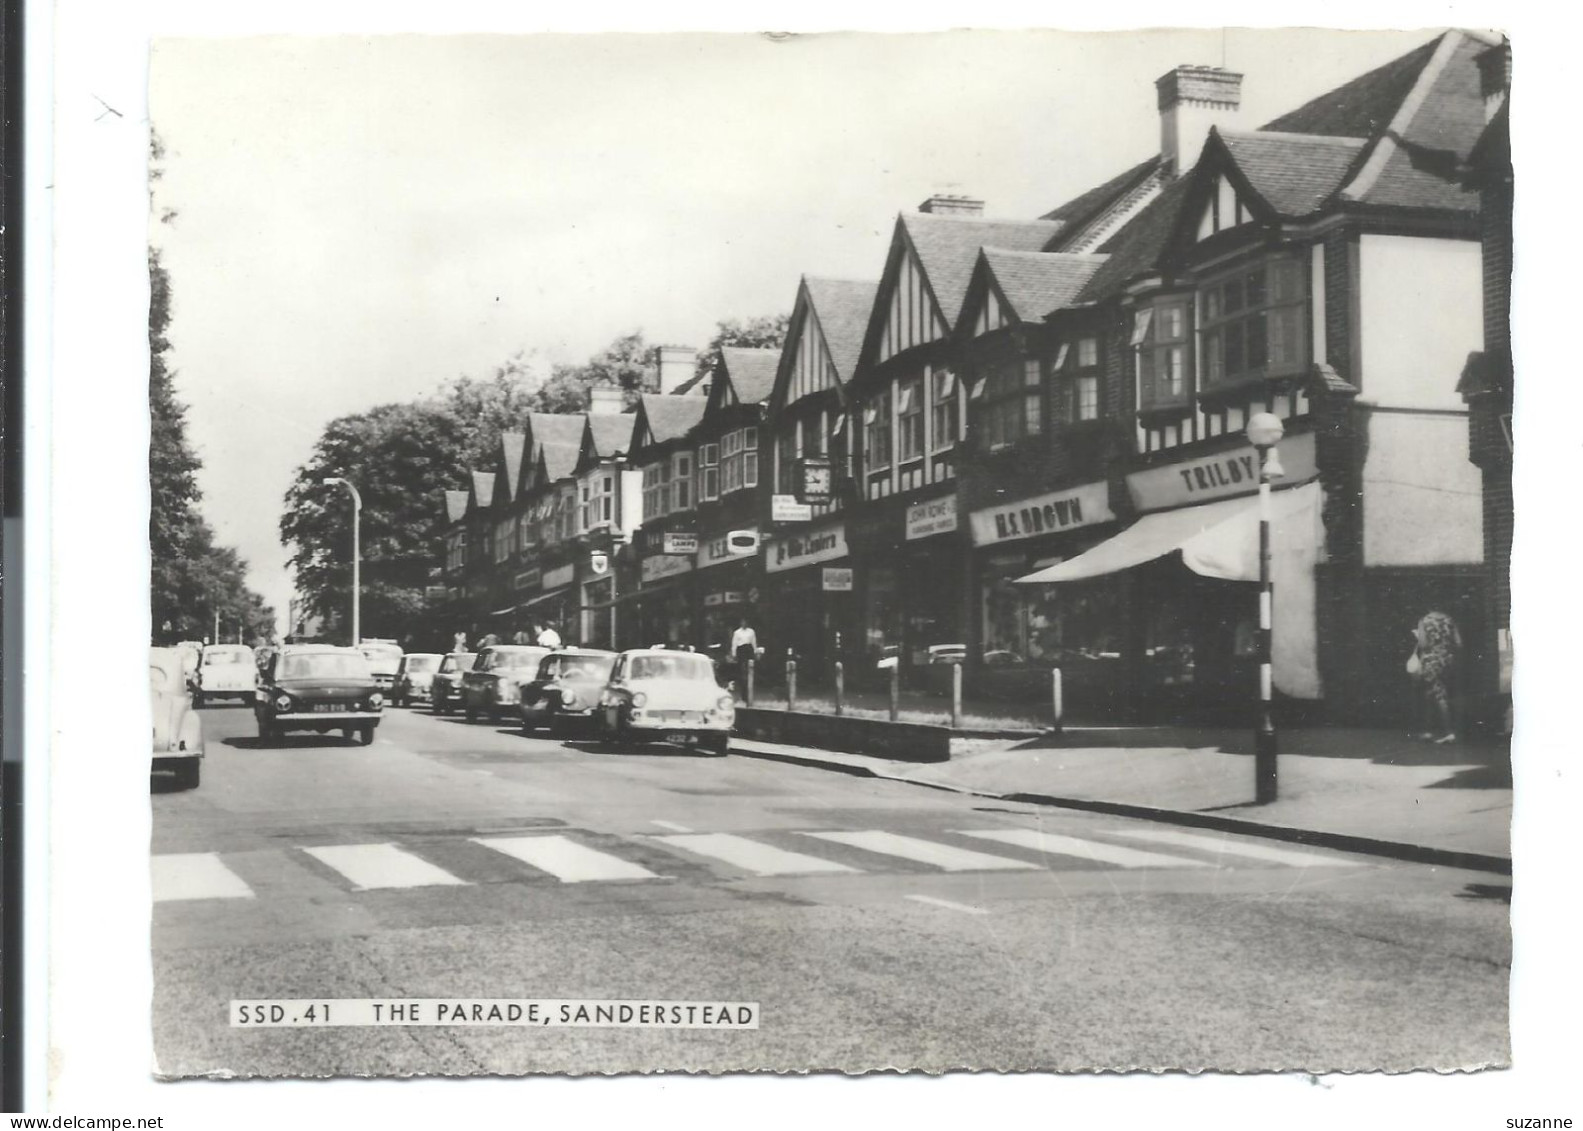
(358, 220)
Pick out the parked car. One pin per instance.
(178, 735)
(490, 688)
(384, 659)
(320, 688)
(665, 696)
(225, 671)
(565, 690)
(415, 677)
(445, 689)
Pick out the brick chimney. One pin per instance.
(1192, 99)
(950, 204)
(675, 366)
(605, 399)
(1495, 77)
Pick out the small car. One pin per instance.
(659, 695)
(491, 687)
(415, 677)
(225, 671)
(565, 690)
(178, 735)
(445, 689)
(384, 659)
(321, 688)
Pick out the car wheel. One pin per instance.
(187, 774)
(348, 733)
(267, 731)
(365, 734)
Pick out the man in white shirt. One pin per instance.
(744, 643)
(549, 638)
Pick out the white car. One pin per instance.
(178, 735)
(225, 671)
(384, 660)
(658, 695)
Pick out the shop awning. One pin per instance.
(1216, 539)
(541, 598)
(504, 611)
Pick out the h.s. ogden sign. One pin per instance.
(1042, 514)
(822, 544)
(1219, 476)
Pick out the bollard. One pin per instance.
(956, 696)
(791, 685)
(840, 688)
(1055, 697)
(895, 691)
(748, 689)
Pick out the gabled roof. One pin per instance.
(662, 419)
(483, 488)
(512, 447)
(750, 373)
(1034, 283)
(554, 427)
(455, 506)
(947, 248)
(1295, 174)
(559, 460)
(1360, 108)
(690, 386)
(842, 307)
(609, 434)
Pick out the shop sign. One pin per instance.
(1219, 476)
(730, 546)
(658, 566)
(713, 599)
(1042, 514)
(527, 579)
(676, 542)
(937, 516)
(822, 545)
(731, 597)
(786, 508)
(837, 579)
(559, 576)
(815, 480)
(435, 592)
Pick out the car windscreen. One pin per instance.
(511, 660)
(325, 665)
(561, 665)
(680, 666)
(226, 656)
(421, 663)
(458, 662)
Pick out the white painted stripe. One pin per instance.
(565, 859)
(946, 903)
(925, 852)
(371, 866)
(195, 875)
(1238, 848)
(672, 825)
(1052, 844)
(751, 856)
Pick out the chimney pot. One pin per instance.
(1495, 77)
(1192, 99)
(605, 399)
(951, 204)
(675, 365)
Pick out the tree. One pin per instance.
(627, 363)
(767, 331)
(483, 408)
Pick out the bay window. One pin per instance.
(681, 481)
(876, 432)
(1012, 404)
(598, 494)
(1160, 338)
(708, 472)
(656, 490)
(1077, 391)
(1253, 324)
(946, 411)
(739, 460)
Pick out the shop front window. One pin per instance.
(1074, 626)
(883, 630)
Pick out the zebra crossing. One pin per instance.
(570, 859)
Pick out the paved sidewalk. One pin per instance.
(1368, 789)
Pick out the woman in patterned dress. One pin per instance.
(1439, 642)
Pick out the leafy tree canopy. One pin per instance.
(767, 331)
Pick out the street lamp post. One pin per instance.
(357, 555)
(1264, 432)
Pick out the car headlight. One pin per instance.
(726, 703)
(376, 700)
(639, 699)
(283, 702)
(568, 697)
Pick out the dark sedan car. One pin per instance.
(319, 688)
(565, 690)
(445, 689)
(490, 688)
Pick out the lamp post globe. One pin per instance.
(1265, 429)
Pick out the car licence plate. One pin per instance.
(329, 708)
(678, 737)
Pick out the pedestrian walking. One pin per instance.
(548, 637)
(459, 642)
(1434, 659)
(489, 641)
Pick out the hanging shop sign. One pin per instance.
(837, 579)
(713, 599)
(655, 567)
(677, 542)
(731, 597)
(729, 547)
(559, 576)
(1042, 514)
(815, 480)
(786, 508)
(824, 544)
(528, 579)
(599, 561)
(937, 516)
(1222, 476)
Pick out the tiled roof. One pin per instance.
(555, 427)
(1080, 209)
(948, 248)
(1136, 248)
(511, 447)
(1294, 173)
(1362, 107)
(611, 432)
(1493, 153)
(559, 459)
(670, 417)
(685, 389)
(1036, 283)
(751, 372)
(484, 487)
(455, 506)
(842, 307)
